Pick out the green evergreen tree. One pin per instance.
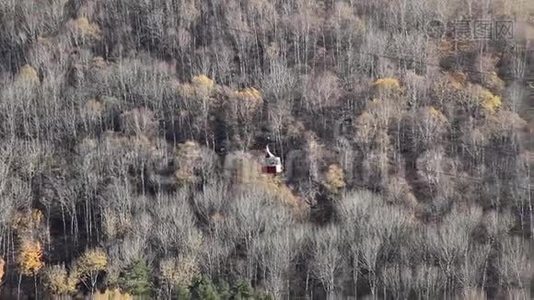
(203, 288)
(136, 279)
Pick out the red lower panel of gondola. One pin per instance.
(269, 169)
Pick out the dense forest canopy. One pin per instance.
(132, 136)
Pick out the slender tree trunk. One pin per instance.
(355, 273)
(18, 286)
(65, 237)
(307, 281)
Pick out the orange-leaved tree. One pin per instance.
(29, 260)
(28, 225)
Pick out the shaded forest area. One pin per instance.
(131, 139)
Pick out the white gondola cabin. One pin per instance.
(272, 164)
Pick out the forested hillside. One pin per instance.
(132, 136)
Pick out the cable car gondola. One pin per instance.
(272, 164)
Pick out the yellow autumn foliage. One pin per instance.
(188, 150)
(387, 83)
(203, 81)
(27, 221)
(58, 281)
(93, 108)
(489, 102)
(281, 193)
(28, 74)
(493, 82)
(98, 62)
(249, 94)
(112, 294)
(30, 258)
(93, 260)
(201, 86)
(248, 100)
(85, 28)
(334, 178)
(436, 114)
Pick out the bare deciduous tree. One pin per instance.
(327, 257)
